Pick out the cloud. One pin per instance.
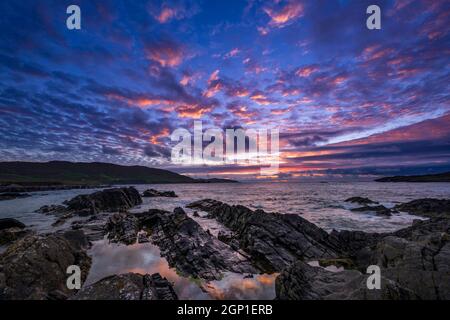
(282, 15)
(164, 51)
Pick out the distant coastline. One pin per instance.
(439, 177)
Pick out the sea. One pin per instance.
(322, 203)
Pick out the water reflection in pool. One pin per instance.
(109, 258)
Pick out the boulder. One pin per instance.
(155, 193)
(274, 241)
(129, 286)
(428, 207)
(304, 282)
(7, 223)
(11, 230)
(35, 266)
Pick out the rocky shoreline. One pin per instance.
(414, 261)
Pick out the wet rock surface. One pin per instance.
(155, 193)
(129, 286)
(274, 241)
(108, 200)
(379, 210)
(414, 263)
(34, 267)
(432, 208)
(304, 282)
(189, 248)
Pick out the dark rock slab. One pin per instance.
(427, 207)
(274, 241)
(129, 286)
(77, 238)
(361, 200)
(11, 230)
(189, 248)
(379, 210)
(13, 195)
(304, 282)
(56, 210)
(155, 193)
(34, 267)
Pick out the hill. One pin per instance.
(76, 173)
(439, 177)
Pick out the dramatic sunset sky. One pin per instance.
(348, 101)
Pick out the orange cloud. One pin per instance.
(165, 15)
(165, 52)
(306, 71)
(289, 12)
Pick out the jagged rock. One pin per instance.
(379, 210)
(189, 248)
(156, 193)
(35, 266)
(351, 242)
(13, 195)
(427, 207)
(423, 228)
(7, 223)
(129, 286)
(361, 200)
(274, 241)
(304, 282)
(421, 266)
(109, 200)
(417, 257)
(123, 227)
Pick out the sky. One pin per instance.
(348, 102)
